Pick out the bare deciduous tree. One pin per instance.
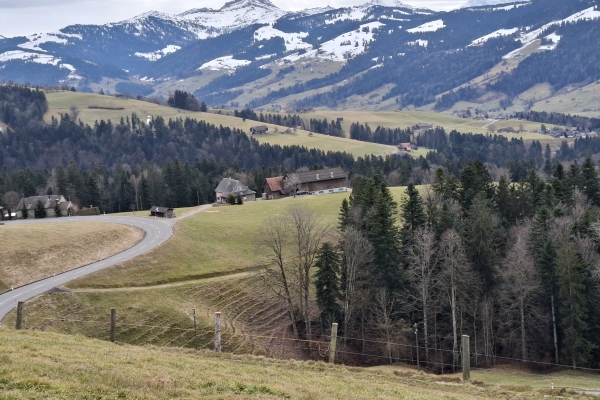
(357, 253)
(422, 263)
(519, 287)
(457, 277)
(274, 237)
(292, 183)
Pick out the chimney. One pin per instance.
(317, 176)
(332, 174)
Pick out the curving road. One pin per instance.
(157, 232)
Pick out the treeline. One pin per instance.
(290, 121)
(326, 128)
(447, 100)
(174, 183)
(185, 101)
(575, 121)
(20, 106)
(239, 78)
(380, 135)
(133, 142)
(515, 266)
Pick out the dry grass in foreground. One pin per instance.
(46, 365)
(36, 251)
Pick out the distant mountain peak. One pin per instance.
(388, 3)
(236, 4)
(481, 3)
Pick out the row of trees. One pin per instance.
(515, 266)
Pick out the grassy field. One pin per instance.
(581, 101)
(37, 251)
(61, 102)
(37, 365)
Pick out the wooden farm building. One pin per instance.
(231, 186)
(257, 130)
(162, 212)
(405, 146)
(49, 202)
(322, 181)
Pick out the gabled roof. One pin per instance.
(228, 185)
(160, 209)
(275, 184)
(320, 175)
(260, 128)
(48, 201)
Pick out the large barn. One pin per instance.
(322, 181)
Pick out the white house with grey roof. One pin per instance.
(231, 186)
(49, 202)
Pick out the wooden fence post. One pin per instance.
(113, 324)
(334, 328)
(20, 314)
(218, 332)
(195, 331)
(466, 358)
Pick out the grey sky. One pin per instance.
(25, 17)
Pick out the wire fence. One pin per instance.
(347, 350)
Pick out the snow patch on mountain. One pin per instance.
(481, 3)
(508, 8)
(493, 35)
(349, 44)
(16, 55)
(354, 14)
(527, 38)
(314, 11)
(418, 42)
(224, 63)
(293, 41)
(40, 38)
(387, 3)
(157, 55)
(428, 27)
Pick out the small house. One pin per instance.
(260, 129)
(234, 187)
(162, 212)
(340, 119)
(405, 146)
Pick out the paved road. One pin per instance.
(157, 232)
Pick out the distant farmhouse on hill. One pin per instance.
(229, 186)
(49, 202)
(260, 129)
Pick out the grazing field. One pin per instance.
(35, 251)
(61, 103)
(405, 119)
(37, 365)
(583, 101)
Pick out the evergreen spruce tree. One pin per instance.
(504, 202)
(573, 305)
(479, 233)
(413, 214)
(560, 184)
(475, 178)
(344, 215)
(589, 182)
(40, 211)
(57, 210)
(327, 283)
(24, 212)
(574, 177)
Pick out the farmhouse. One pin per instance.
(322, 181)
(510, 129)
(229, 186)
(274, 188)
(256, 130)
(423, 126)
(162, 212)
(405, 146)
(49, 202)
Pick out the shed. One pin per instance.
(259, 129)
(274, 188)
(162, 212)
(405, 146)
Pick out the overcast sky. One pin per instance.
(25, 17)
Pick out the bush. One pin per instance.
(230, 199)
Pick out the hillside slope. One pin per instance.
(36, 365)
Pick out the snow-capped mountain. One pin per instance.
(252, 49)
(235, 14)
(482, 3)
